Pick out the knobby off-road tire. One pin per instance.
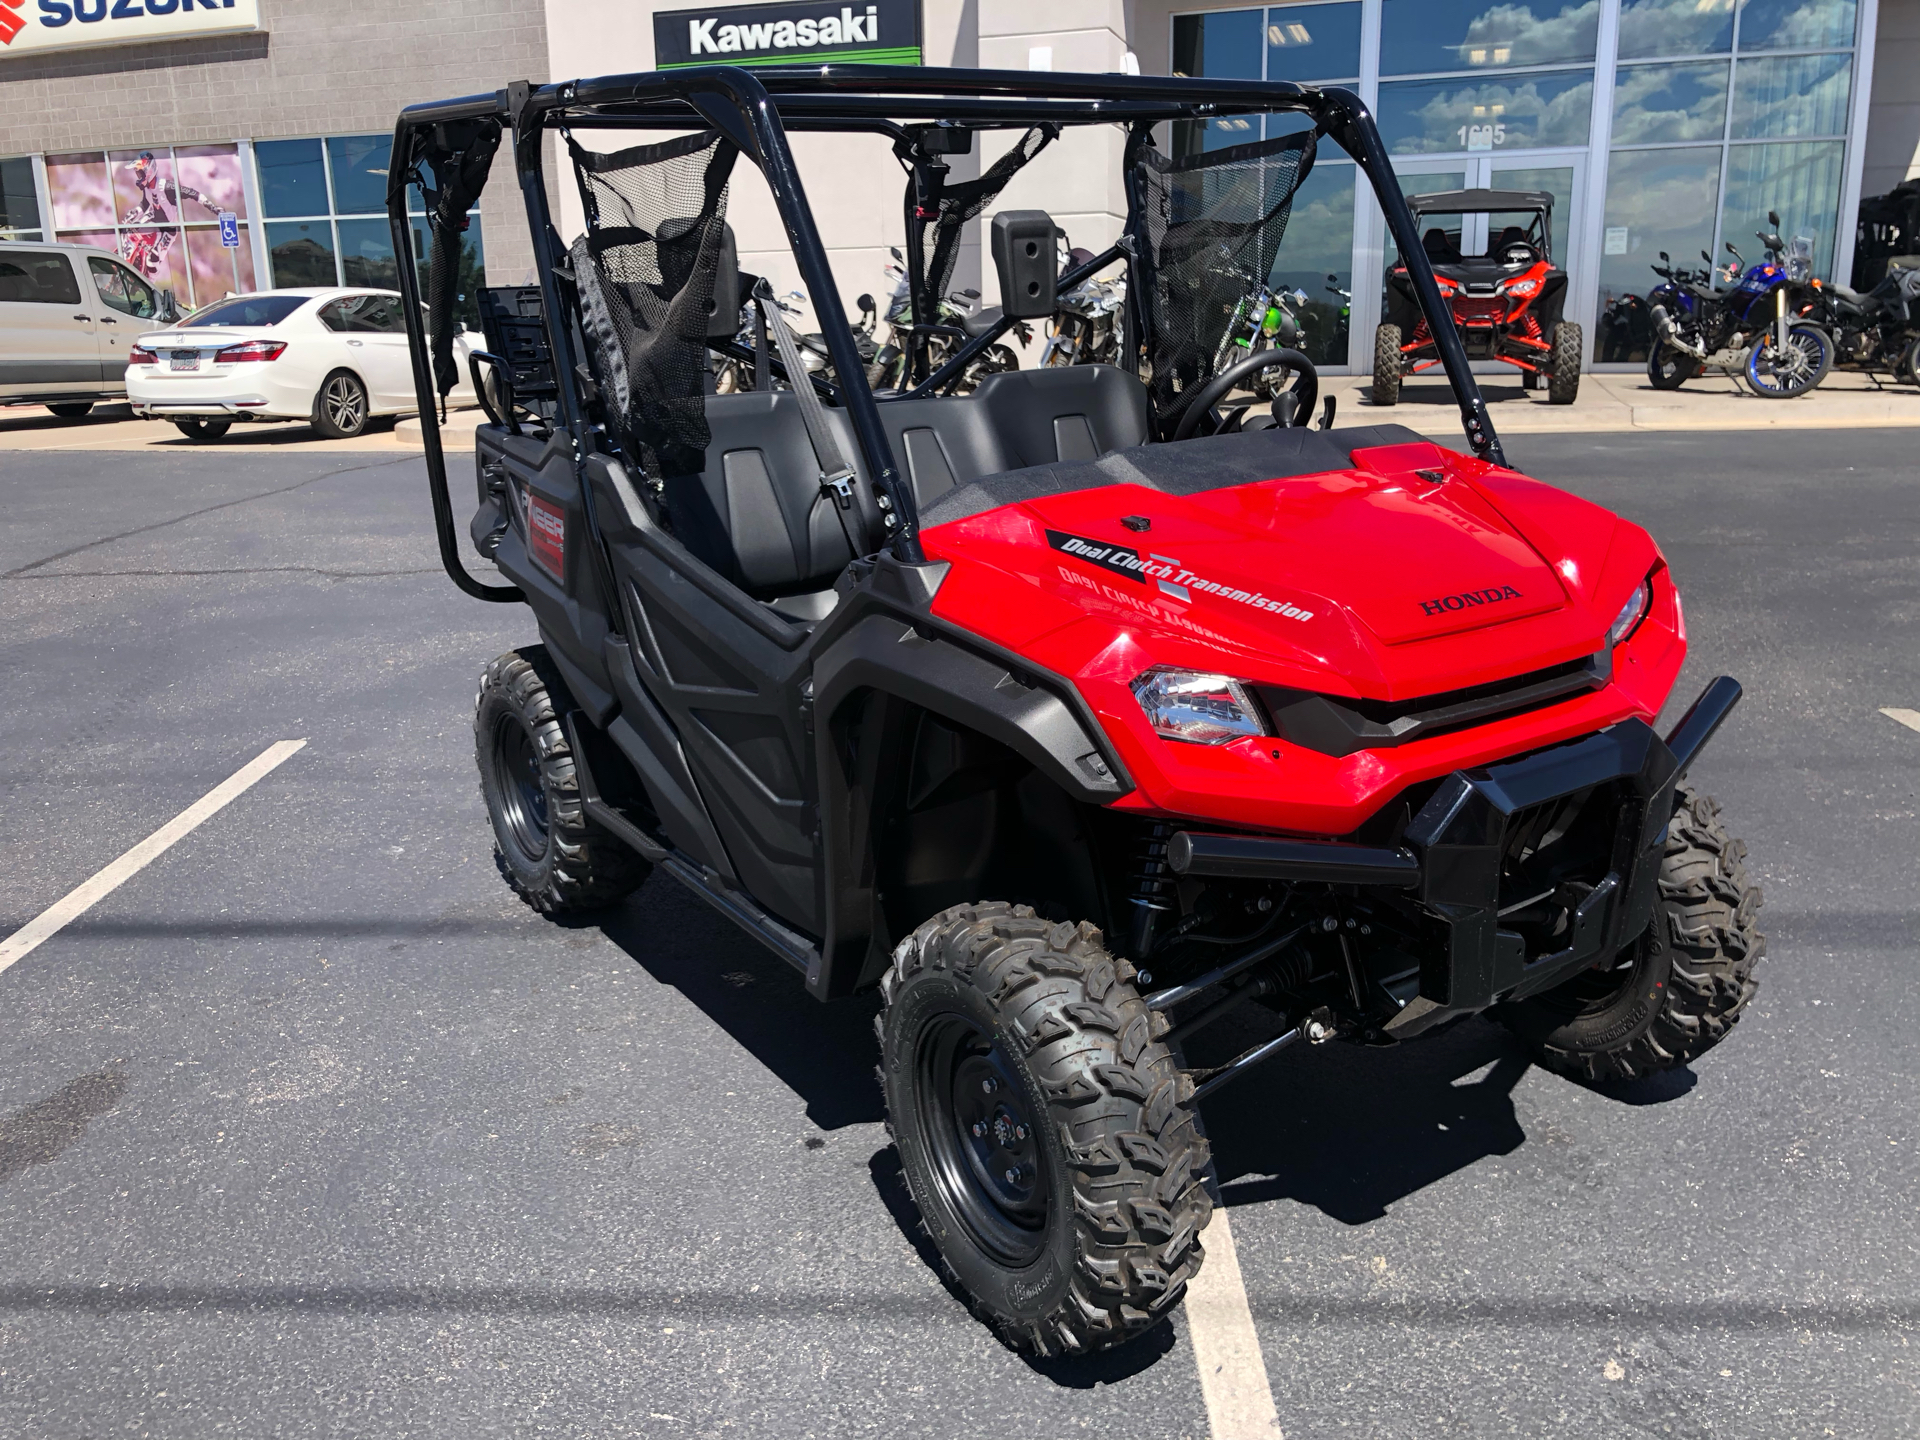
(1010, 1041)
(547, 849)
(1563, 377)
(1386, 365)
(1680, 987)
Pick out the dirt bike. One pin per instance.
(1085, 329)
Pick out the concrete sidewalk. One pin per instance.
(1607, 404)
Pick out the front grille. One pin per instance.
(1335, 725)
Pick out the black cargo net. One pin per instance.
(963, 203)
(1210, 228)
(656, 219)
(458, 177)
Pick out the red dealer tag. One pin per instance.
(547, 537)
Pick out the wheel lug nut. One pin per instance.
(989, 1085)
(1019, 1132)
(1013, 1176)
(979, 1129)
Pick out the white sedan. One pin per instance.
(336, 357)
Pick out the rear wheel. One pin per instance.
(1674, 993)
(1777, 374)
(1563, 374)
(1046, 1133)
(1386, 365)
(1909, 370)
(340, 409)
(546, 848)
(1668, 368)
(72, 409)
(200, 431)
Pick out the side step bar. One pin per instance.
(789, 945)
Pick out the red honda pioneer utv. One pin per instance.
(1072, 713)
(1491, 251)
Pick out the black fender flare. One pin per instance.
(911, 657)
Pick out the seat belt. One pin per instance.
(836, 475)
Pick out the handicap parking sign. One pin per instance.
(229, 229)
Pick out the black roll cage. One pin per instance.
(755, 110)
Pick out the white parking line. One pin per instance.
(104, 882)
(1233, 1377)
(1908, 718)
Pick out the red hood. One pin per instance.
(1377, 581)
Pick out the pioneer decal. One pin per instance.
(547, 536)
(1467, 599)
(1172, 578)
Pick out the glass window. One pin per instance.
(1319, 244)
(1656, 200)
(1429, 36)
(1557, 181)
(80, 190)
(1802, 182)
(19, 206)
(1796, 24)
(359, 173)
(1675, 27)
(1222, 45)
(293, 178)
(366, 253)
(37, 277)
(1313, 42)
(1791, 96)
(1432, 116)
(1662, 104)
(121, 289)
(301, 253)
(261, 310)
(363, 314)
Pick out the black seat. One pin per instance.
(1064, 413)
(1440, 250)
(980, 321)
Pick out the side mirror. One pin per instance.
(865, 305)
(1706, 257)
(1773, 218)
(894, 250)
(1730, 249)
(1332, 278)
(1023, 254)
(169, 310)
(1666, 257)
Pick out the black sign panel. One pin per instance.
(874, 32)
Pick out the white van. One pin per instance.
(68, 315)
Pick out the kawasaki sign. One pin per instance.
(877, 32)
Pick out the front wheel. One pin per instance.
(1563, 362)
(1668, 368)
(1386, 365)
(1675, 992)
(1777, 374)
(1046, 1133)
(341, 408)
(1909, 370)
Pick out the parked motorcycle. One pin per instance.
(1086, 328)
(959, 317)
(1265, 318)
(1752, 330)
(1875, 332)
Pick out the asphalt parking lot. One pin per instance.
(311, 1128)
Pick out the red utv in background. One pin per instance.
(1507, 295)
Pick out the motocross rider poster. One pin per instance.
(159, 210)
(35, 27)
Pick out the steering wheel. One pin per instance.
(1307, 389)
(1518, 252)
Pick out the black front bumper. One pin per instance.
(1454, 852)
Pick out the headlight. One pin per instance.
(1201, 709)
(1630, 614)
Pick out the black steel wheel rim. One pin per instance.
(523, 797)
(980, 1138)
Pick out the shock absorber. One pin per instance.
(1150, 887)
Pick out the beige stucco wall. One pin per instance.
(1893, 114)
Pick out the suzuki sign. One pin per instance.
(34, 27)
(874, 32)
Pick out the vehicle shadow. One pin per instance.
(1350, 1131)
(825, 1054)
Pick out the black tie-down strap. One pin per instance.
(836, 473)
(459, 176)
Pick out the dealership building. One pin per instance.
(226, 145)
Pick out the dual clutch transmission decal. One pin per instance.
(1173, 578)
